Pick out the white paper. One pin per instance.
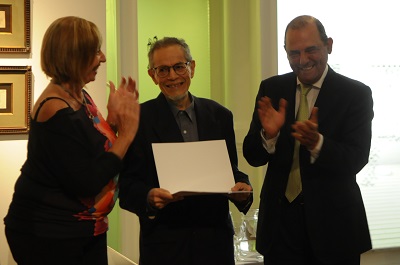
(191, 168)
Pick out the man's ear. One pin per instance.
(192, 67)
(329, 44)
(151, 73)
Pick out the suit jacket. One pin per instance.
(177, 220)
(335, 216)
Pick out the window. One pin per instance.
(365, 41)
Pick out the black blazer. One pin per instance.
(158, 125)
(335, 216)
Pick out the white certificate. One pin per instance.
(191, 168)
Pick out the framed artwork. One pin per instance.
(15, 99)
(15, 26)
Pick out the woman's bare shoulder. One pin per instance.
(48, 103)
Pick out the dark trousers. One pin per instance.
(292, 244)
(33, 250)
(188, 246)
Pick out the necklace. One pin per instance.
(91, 116)
(83, 102)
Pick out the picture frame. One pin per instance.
(15, 26)
(15, 99)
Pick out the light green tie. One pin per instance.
(294, 187)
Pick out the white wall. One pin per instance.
(13, 147)
(129, 222)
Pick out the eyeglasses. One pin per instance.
(179, 68)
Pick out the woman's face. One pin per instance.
(92, 70)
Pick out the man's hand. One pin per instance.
(306, 132)
(159, 198)
(240, 186)
(271, 119)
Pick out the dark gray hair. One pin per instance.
(166, 42)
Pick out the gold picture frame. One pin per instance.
(15, 99)
(15, 25)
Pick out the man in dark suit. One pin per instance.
(176, 230)
(325, 221)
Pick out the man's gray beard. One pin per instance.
(179, 98)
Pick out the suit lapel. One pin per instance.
(290, 96)
(326, 96)
(207, 125)
(165, 124)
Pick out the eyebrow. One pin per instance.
(164, 65)
(306, 49)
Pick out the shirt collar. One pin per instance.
(189, 110)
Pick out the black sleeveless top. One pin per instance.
(68, 183)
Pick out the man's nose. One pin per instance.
(171, 73)
(303, 58)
